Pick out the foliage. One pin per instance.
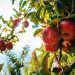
(1, 66)
(47, 13)
(42, 64)
(16, 62)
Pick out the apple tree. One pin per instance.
(56, 21)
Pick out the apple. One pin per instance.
(66, 49)
(9, 45)
(67, 29)
(53, 47)
(2, 45)
(66, 46)
(66, 43)
(16, 22)
(25, 23)
(50, 35)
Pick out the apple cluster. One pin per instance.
(8, 44)
(65, 31)
(16, 22)
(5, 44)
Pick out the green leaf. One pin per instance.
(24, 3)
(73, 50)
(5, 29)
(1, 66)
(50, 60)
(44, 64)
(25, 71)
(46, 16)
(20, 3)
(0, 17)
(41, 48)
(10, 67)
(22, 30)
(34, 18)
(30, 14)
(4, 21)
(34, 65)
(20, 9)
(69, 68)
(17, 12)
(46, 2)
(37, 32)
(39, 10)
(15, 38)
(52, 73)
(72, 72)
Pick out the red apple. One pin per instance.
(66, 43)
(16, 22)
(9, 45)
(67, 29)
(50, 35)
(66, 49)
(66, 46)
(53, 47)
(2, 45)
(25, 23)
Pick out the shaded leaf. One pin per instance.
(44, 64)
(5, 29)
(37, 32)
(34, 65)
(34, 18)
(10, 67)
(25, 71)
(17, 12)
(24, 3)
(4, 21)
(20, 3)
(50, 60)
(52, 73)
(46, 16)
(1, 66)
(39, 10)
(30, 14)
(13, 1)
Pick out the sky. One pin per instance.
(6, 10)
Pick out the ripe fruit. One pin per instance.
(66, 49)
(9, 45)
(25, 23)
(16, 22)
(50, 38)
(53, 47)
(66, 43)
(2, 45)
(67, 29)
(66, 46)
(49, 35)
